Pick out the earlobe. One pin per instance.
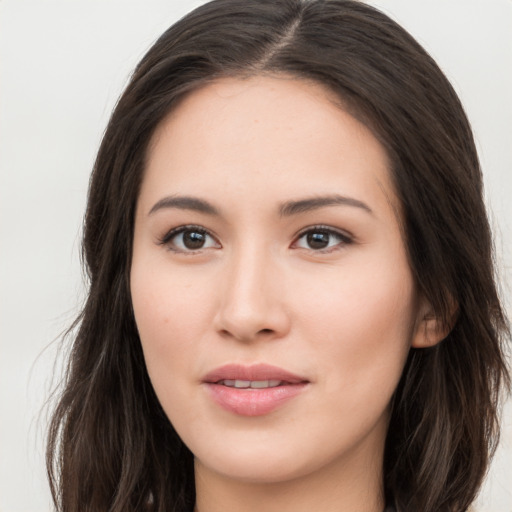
(430, 328)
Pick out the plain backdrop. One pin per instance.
(63, 65)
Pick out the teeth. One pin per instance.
(255, 384)
(258, 384)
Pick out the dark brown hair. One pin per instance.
(111, 447)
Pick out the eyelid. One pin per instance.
(170, 234)
(346, 237)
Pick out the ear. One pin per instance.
(431, 329)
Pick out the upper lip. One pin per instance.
(254, 372)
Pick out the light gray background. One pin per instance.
(63, 64)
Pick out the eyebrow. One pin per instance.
(305, 205)
(185, 203)
(287, 209)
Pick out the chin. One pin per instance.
(264, 463)
(259, 471)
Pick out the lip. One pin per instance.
(253, 372)
(250, 401)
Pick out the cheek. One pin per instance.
(167, 316)
(359, 332)
(161, 295)
(170, 317)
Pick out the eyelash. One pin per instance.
(168, 237)
(344, 238)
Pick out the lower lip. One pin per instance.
(253, 402)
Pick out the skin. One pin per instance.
(344, 317)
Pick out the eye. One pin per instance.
(189, 239)
(321, 238)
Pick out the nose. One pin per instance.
(251, 299)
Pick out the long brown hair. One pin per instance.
(110, 446)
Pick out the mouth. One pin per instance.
(253, 390)
(241, 376)
(251, 384)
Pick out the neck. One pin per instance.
(342, 486)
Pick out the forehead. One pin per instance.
(266, 135)
(271, 101)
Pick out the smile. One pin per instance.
(252, 390)
(250, 384)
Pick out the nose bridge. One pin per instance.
(250, 304)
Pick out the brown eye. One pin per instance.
(320, 238)
(194, 239)
(189, 239)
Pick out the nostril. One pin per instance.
(266, 331)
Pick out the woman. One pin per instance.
(292, 303)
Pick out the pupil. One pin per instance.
(318, 240)
(193, 239)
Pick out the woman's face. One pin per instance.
(266, 233)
